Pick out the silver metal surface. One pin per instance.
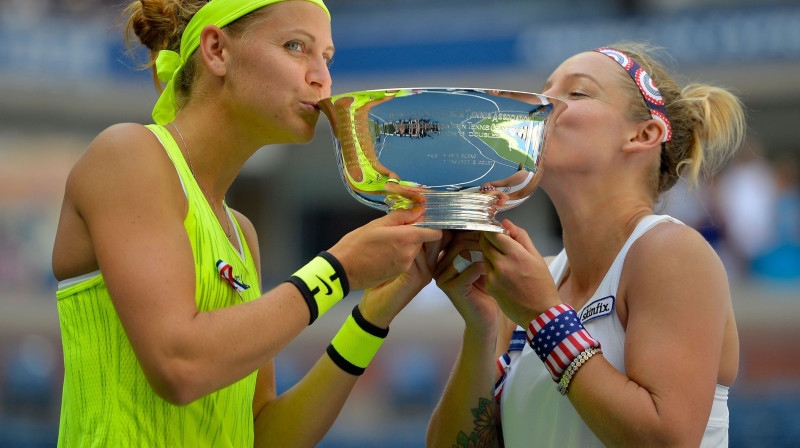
(465, 153)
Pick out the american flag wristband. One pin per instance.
(504, 362)
(322, 282)
(558, 337)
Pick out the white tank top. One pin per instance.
(534, 413)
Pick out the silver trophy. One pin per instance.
(465, 154)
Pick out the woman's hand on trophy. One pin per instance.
(382, 249)
(517, 277)
(382, 303)
(460, 273)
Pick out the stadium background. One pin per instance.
(65, 76)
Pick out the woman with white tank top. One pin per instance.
(627, 337)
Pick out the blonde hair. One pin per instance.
(708, 122)
(159, 25)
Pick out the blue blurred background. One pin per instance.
(65, 76)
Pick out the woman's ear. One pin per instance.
(212, 43)
(647, 134)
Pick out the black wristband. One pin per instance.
(342, 363)
(313, 309)
(367, 326)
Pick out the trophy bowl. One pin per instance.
(464, 153)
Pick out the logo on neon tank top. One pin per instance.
(597, 308)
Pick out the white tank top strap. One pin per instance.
(558, 266)
(611, 281)
(647, 223)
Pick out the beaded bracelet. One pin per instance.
(566, 378)
(322, 282)
(356, 343)
(558, 336)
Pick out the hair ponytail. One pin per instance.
(718, 129)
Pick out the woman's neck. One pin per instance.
(217, 153)
(594, 230)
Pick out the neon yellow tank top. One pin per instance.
(107, 401)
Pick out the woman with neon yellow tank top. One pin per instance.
(168, 339)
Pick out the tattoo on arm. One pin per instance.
(485, 433)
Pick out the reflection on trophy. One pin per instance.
(464, 153)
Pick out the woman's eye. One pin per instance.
(328, 60)
(294, 46)
(577, 94)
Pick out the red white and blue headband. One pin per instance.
(652, 97)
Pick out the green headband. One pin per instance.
(169, 63)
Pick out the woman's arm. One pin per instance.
(467, 412)
(126, 190)
(301, 416)
(676, 305)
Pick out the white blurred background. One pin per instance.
(65, 76)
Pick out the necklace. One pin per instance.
(209, 199)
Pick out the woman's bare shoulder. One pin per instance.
(122, 157)
(672, 241)
(675, 256)
(124, 139)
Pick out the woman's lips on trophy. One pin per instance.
(310, 106)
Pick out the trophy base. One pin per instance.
(455, 211)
